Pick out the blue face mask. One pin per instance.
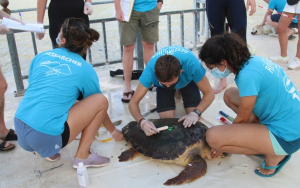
(220, 74)
(57, 41)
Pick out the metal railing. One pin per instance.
(197, 31)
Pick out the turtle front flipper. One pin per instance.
(194, 170)
(128, 155)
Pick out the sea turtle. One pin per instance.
(183, 146)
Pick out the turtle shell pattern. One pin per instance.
(167, 144)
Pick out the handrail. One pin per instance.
(139, 50)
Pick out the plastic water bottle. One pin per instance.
(82, 174)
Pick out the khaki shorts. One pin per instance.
(148, 23)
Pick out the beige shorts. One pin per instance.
(295, 9)
(148, 23)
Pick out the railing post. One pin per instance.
(15, 64)
(196, 22)
(139, 51)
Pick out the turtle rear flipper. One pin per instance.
(194, 170)
(128, 155)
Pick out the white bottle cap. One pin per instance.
(81, 164)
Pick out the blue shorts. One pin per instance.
(165, 98)
(276, 18)
(282, 147)
(44, 144)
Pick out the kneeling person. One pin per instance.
(172, 68)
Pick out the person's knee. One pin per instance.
(148, 46)
(212, 138)
(280, 28)
(129, 48)
(269, 20)
(102, 100)
(227, 96)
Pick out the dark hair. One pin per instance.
(78, 35)
(167, 67)
(229, 47)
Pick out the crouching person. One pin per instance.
(172, 68)
(47, 118)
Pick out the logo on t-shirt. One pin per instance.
(56, 146)
(56, 68)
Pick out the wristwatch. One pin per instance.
(197, 112)
(160, 1)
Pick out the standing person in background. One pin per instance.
(145, 15)
(291, 11)
(236, 15)
(58, 11)
(5, 134)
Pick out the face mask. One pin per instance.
(220, 74)
(171, 86)
(57, 40)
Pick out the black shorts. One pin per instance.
(276, 18)
(165, 98)
(65, 135)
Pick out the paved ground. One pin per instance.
(18, 166)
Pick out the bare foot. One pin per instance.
(222, 85)
(271, 160)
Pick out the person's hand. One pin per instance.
(191, 119)
(262, 24)
(88, 9)
(148, 127)
(215, 153)
(39, 36)
(117, 135)
(119, 15)
(3, 29)
(159, 5)
(253, 6)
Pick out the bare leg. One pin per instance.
(283, 24)
(246, 139)
(167, 114)
(298, 44)
(127, 67)
(87, 116)
(289, 31)
(148, 51)
(222, 85)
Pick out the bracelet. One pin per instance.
(141, 120)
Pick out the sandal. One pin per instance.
(11, 135)
(127, 95)
(9, 147)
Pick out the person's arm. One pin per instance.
(268, 13)
(245, 109)
(3, 14)
(208, 94)
(159, 4)
(41, 7)
(253, 6)
(147, 126)
(119, 12)
(208, 97)
(88, 8)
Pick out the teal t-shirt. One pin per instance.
(192, 68)
(56, 78)
(278, 100)
(144, 5)
(279, 5)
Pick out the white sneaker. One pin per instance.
(279, 59)
(294, 64)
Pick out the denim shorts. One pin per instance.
(276, 18)
(165, 98)
(282, 147)
(44, 144)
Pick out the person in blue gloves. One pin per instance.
(266, 101)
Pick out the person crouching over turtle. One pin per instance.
(266, 101)
(171, 68)
(48, 118)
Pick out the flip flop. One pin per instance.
(127, 95)
(278, 167)
(11, 135)
(9, 147)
